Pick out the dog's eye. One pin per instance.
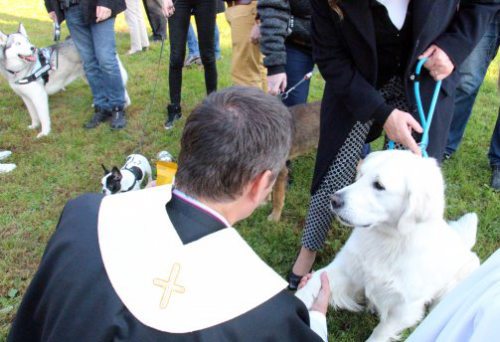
(377, 185)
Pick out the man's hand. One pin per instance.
(53, 16)
(438, 62)
(255, 34)
(276, 83)
(168, 8)
(321, 302)
(398, 128)
(102, 13)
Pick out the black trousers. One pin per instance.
(156, 19)
(178, 24)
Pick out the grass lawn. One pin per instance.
(67, 163)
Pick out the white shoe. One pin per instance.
(4, 168)
(4, 154)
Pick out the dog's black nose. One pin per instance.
(337, 201)
(33, 49)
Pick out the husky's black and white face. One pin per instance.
(17, 51)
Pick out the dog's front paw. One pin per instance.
(42, 134)
(274, 217)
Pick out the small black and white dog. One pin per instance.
(129, 177)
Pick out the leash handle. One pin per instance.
(425, 120)
(284, 96)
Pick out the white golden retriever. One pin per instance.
(401, 254)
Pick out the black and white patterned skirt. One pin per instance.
(342, 171)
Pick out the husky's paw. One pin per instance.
(42, 134)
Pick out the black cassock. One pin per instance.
(131, 268)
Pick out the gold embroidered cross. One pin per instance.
(169, 285)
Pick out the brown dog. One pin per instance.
(305, 139)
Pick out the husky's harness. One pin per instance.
(42, 66)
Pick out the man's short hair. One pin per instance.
(230, 138)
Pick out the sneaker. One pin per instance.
(4, 154)
(4, 168)
(173, 114)
(192, 60)
(446, 156)
(118, 120)
(100, 115)
(495, 177)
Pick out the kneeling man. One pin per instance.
(165, 264)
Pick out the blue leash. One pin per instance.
(425, 121)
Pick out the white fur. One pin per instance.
(35, 94)
(128, 178)
(401, 254)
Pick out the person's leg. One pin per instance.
(142, 28)
(132, 14)
(247, 66)
(472, 73)
(298, 64)
(341, 173)
(178, 29)
(192, 43)
(205, 22)
(103, 37)
(494, 155)
(218, 54)
(82, 37)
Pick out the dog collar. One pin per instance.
(137, 172)
(42, 66)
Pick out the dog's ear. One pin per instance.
(3, 39)
(106, 171)
(115, 172)
(22, 30)
(425, 194)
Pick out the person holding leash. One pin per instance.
(367, 51)
(164, 264)
(91, 25)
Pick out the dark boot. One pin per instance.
(118, 120)
(100, 115)
(495, 177)
(173, 114)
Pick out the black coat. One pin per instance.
(345, 52)
(88, 8)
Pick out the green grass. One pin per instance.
(67, 163)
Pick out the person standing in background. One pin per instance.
(472, 73)
(285, 41)
(138, 35)
(247, 66)
(92, 28)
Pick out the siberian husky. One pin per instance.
(24, 66)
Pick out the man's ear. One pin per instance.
(22, 30)
(3, 39)
(261, 186)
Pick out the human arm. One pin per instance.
(467, 28)
(317, 313)
(168, 8)
(274, 16)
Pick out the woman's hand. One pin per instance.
(276, 83)
(398, 128)
(102, 13)
(255, 33)
(168, 8)
(320, 304)
(438, 63)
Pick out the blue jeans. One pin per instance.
(97, 48)
(298, 63)
(192, 43)
(472, 73)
